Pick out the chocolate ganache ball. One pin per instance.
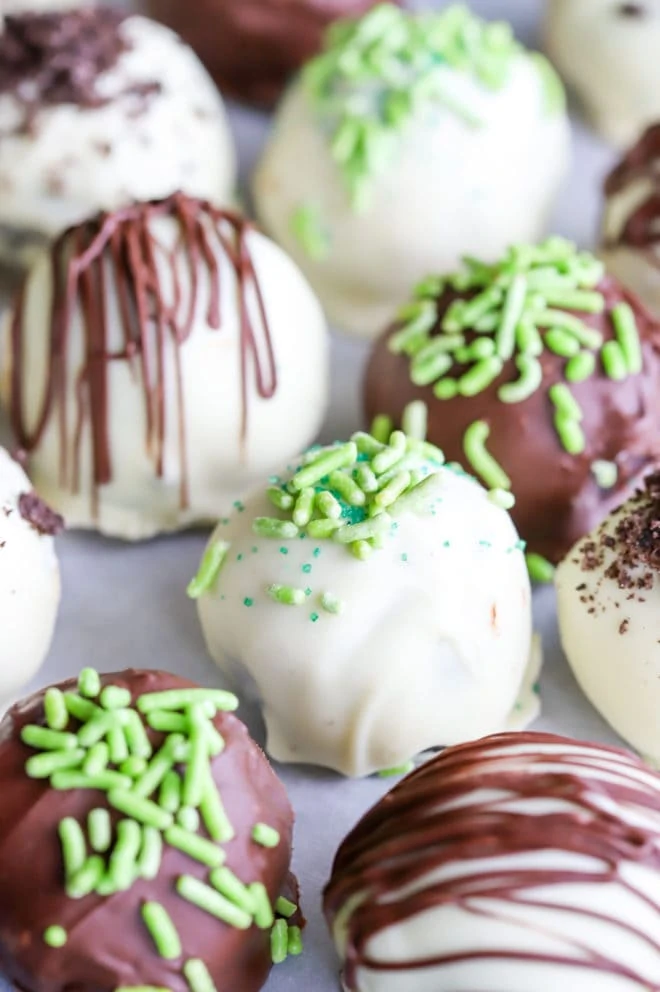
(144, 841)
(253, 47)
(541, 375)
(515, 863)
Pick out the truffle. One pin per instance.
(608, 588)
(631, 219)
(29, 578)
(541, 375)
(144, 840)
(607, 51)
(518, 862)
(162, 359)
(425, 137)
(97, 109)
(386, 591)
(253, 47)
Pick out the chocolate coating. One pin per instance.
(641, 162)
(253, 47)
(557, 497)
(108, 945)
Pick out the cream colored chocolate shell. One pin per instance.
(29, 586)
(73, 162)
(431, 646)
(452, 189)
(608, 51)
(609, 620)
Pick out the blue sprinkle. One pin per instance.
(308, 591)
(239, 506)
(313, 617)
(284, 551)
(316, 552)
(248, 601)
(404, 557)
(307, 569)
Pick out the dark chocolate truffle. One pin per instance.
(144, 841)
(542, 377)
(518, 862)
(253, 47)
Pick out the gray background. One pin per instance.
(125, 606)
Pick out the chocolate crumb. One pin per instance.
(39, 515)
(623, 626)
(632, 10)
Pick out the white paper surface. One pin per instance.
(126, 606)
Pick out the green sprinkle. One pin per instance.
(391, 455)
(114, 697)
(541, 571)
(284, 907)
(142, 988)
(505, 338)
(99, 829)
(366, 479)
(210, 901)
(605, 473)
(169, 797)
(74, 851)
(97, 759)
(178, 699)
(580, 367)
(89, 683)
(265, 836)
(309, 231)
(562, 343)
(483, 463)
(381, 429)
(347, 488)
(399, 770)
(564, 402)
(351, 533)
(425, 370)
(85, 881)
(45, 765)
(196, 847)
(281, 530)
(528, 339)
(279, 939)
(197, 769)
(586, 336)
(198, 976)
(627, 333)
(214, 816)
(248, 601)
(446, 389)
(553, 89)
(264, 916)
(117, 745)
(162, 930)
(228, 885)
(294, 941)
(614, 361)
(133, 766)
(123, 865)
(55, 936)
(531, 377)
(570, 434)
(280, 498)
(480, 305)
(151, 853)
(310, 475)
(97, 728)
(168, 722)
(500, 497)
(48, 740)
(415, 420)
(328, 506)
(140, 809)
(136, 736)
(480, 376)
(288, 595)
(304, 508)
(157, 768)
(55, 710)
(331, 603)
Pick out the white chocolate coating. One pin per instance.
(78, 161)
(451, 190)
(610, 635)
(29, 586)
(611, 60)
(423, 653)
(589, 924)
(219, 467)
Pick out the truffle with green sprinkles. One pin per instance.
(548, 389)
(122, 871)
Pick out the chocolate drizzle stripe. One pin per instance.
(393, 856)
(642, 162)
(118, 252)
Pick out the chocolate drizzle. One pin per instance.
(39, 515)
(642, 162)
(118, 253)
(507, 797)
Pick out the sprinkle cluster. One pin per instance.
(378, 72)
(532, 300)
(96, 738)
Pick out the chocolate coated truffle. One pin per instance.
(144, 840)
(424, 137)
(516, 863)
(162, 358)
(97, 109)
(387, 591)
(253, 47)
(541, 375)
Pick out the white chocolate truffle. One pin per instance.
(608, 51)
(193, 362)
(29, 579)
(143, 121)
(631, 219)
(608, 592)
(521, 862)
(408, 166)
(363, 656)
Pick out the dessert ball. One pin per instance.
(386, 591)
(144, 841)
(425, 137)
(29, 578)
(541, 375)
(607, 51)
(97, 109)
(253, 47)
(631, 219)
(607, 586)
(162, 359)
(21, 6)
(518, 862)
